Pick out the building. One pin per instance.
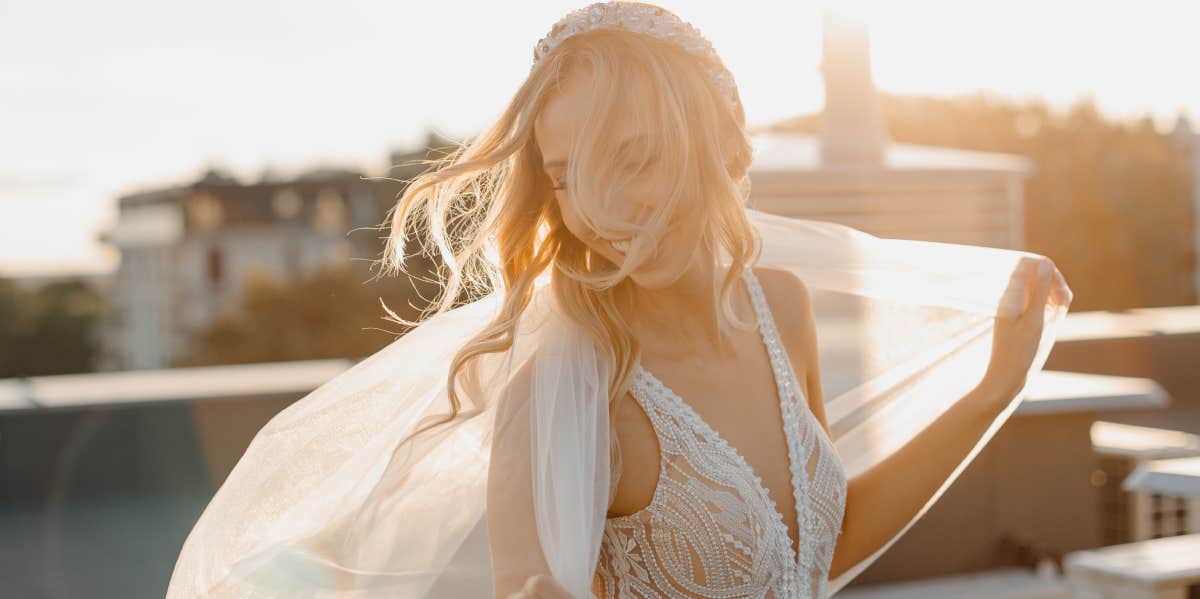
(186, 251)
(1132, 514)
(1188, 142)
(1167, 568)
(1004, 583)
(852, 174)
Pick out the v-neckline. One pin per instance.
(766, 333)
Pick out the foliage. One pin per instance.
(1110, 202)
(50, 329)
(334, 313)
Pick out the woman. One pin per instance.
(632, 405)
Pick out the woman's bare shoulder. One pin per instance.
(788, 297)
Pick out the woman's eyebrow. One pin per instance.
(621, 147)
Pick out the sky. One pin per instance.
(101, 99)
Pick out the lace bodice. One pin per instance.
(711, 529)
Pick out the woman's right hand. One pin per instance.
(541, 587)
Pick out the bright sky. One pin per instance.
(101, 98)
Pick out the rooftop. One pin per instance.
(781, 151)
(1177, 477)
(1143, 442)
(1008, 583)
(1056, 391)
(1153, 561)
(272, 379)
(1137, 322)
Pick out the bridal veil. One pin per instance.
(326, 503)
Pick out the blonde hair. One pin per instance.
(489, 212)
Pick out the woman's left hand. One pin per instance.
(1016, 338)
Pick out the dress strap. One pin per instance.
(784, 375)
(762, 310)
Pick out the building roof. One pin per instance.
(1142, 442)
(148, 225)
(1055, 391)
(240, 203)
(1177, 477)
(274, 379)
(787, 152)
(1153, 561)
(1008, 583)
(1049, 392)
(1137, 322)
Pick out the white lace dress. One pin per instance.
(711, 529)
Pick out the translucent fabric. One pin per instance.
(325, 504)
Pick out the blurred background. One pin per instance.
(191, 200)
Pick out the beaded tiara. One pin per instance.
(640, 18)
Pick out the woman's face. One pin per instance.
(554, 131)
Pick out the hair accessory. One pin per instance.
(640, 18)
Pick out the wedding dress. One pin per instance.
(326, 502)
(711, 529)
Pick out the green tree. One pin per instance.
(48, 330)
(1110, 202)
(333, 313)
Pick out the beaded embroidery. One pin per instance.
(640, 18)
(711, 508)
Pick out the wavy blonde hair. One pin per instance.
(489, 213)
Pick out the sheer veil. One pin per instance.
(325, 504)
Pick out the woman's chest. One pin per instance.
(712, 515)
(737, 402)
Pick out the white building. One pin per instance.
(186, 252)
(1132, 514)
(852, 174)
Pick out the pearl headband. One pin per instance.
(640, 18)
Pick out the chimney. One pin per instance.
(1188, 141)
(853, 131)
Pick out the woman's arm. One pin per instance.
(519, 567)
(548, 474)
(883, 499)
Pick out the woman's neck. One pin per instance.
(683, 317)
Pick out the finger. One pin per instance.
(1028, 286)
(1013, 301)
(1041, 290)
(1062, 292)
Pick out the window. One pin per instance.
(215, 266)
(1115, 506)
(330, 213)
(286, 203)
(204, 211)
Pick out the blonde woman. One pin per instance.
(632, 404)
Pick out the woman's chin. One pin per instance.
(653, 278)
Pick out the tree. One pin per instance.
(48, 330)
(333, 313)
(1110, 201)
